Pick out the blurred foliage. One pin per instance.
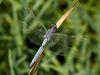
(16, 51)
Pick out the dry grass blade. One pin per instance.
(35, 66)
(61, 20)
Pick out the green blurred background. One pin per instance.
(17, 51)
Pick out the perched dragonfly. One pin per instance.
(48, 35)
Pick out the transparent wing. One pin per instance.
(62, 43)
(35, 29)
(37, 34)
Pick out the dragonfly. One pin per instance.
(46, 38)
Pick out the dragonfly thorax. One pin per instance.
(49, 34)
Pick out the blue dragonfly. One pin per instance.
(41, 36)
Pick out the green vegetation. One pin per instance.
(17, 20)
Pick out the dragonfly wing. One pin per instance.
(35, 30)
(62, 43)
(37, 34)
